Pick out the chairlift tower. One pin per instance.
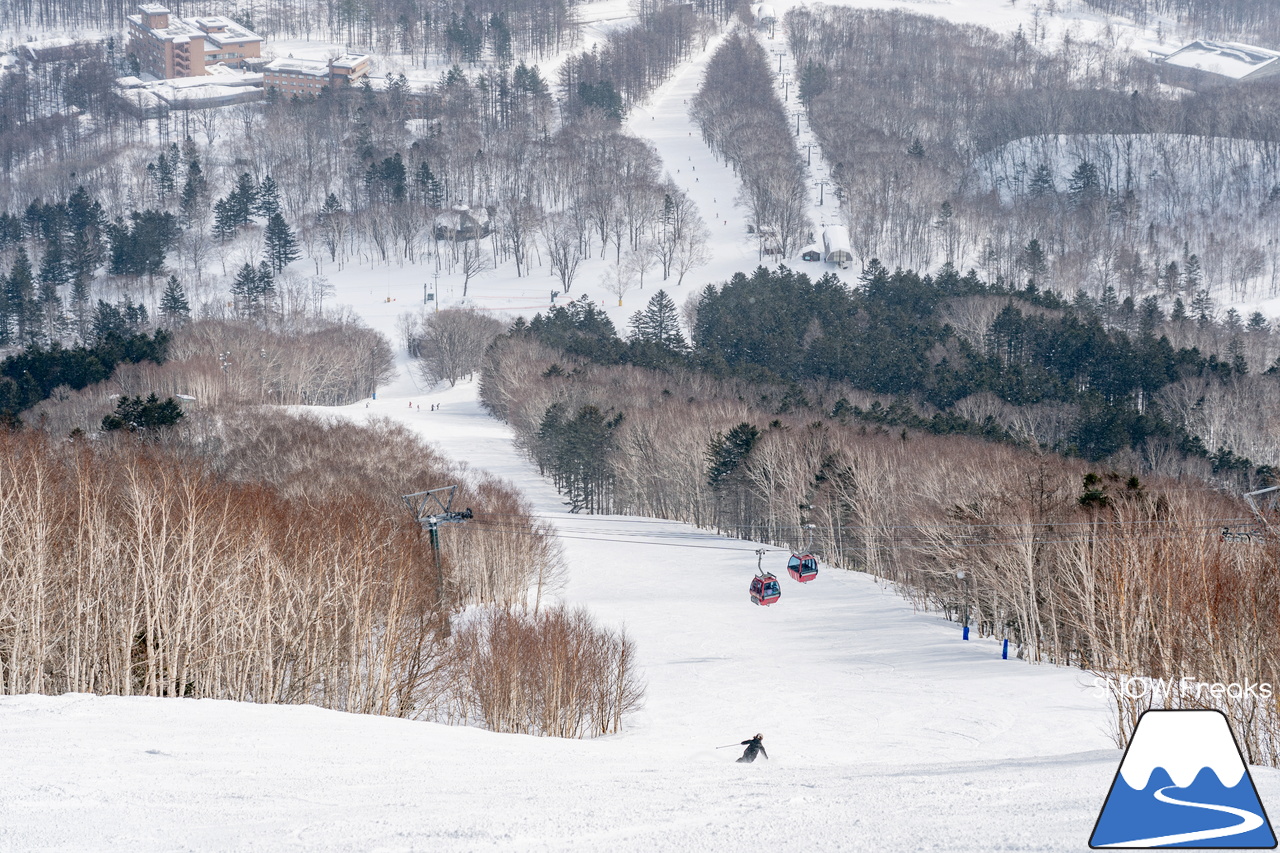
(1264, 530)
(431, 509)
(1273, 503)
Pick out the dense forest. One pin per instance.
(757, 428)
(271, 560)
(949, 354)
(366, 176)
(1078, 145)
(743, 121)
(1213, 18)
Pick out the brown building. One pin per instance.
(168, 46)
(308, 76)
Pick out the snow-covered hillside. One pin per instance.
(885, 730)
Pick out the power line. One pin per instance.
(1207, 522)
(904, 542)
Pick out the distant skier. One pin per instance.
(753, 746)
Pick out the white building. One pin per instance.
(1219, 63)
(835, 246)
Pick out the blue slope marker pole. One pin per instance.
(1004, 652)
(966, 632)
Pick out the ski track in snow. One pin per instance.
(886, 731)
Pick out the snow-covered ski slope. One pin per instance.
(886, 732)
(380, 292)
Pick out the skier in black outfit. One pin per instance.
(756, 744)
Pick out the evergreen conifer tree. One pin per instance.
(19, 293)
(1032, 260)
(173, 305)
(1149, 314)
(80, 296)
(266, 285)
(53, 268)
(108, 321)
(135, 414)
(194, 190)
(1085, 183)
(1110, 302)
(224, 220)
(1191, 274)
(242, 200)
(244, 287)
(1169, 278)
(659, 323)
(1041, 182)
(267, 203)
(282, 246)
(1202, 307)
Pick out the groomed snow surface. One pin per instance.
(885, 731)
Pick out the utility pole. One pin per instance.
(431, 509)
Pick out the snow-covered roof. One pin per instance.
(154, 8)
(350, 60)
(835, 238)
(206, 96)
(45, 44)
(43, 50)
(1226, 59)
(211, 79)
(225, 29)
(310, 67)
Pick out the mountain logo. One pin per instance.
(1183, 783)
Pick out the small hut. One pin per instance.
(835, 246)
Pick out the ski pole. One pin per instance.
(727, 745)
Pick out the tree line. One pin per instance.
(954, 354)
(633, 61)
(1190, 19)
(743, 121)
(259, 557)
(1076, 144)
(1097, 566)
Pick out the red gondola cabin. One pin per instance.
(803, 567)
(765, 589)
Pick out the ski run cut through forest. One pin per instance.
(888, 726)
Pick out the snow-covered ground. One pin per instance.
(885, 730)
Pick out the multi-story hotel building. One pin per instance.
(308, 76)
(168, 46)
